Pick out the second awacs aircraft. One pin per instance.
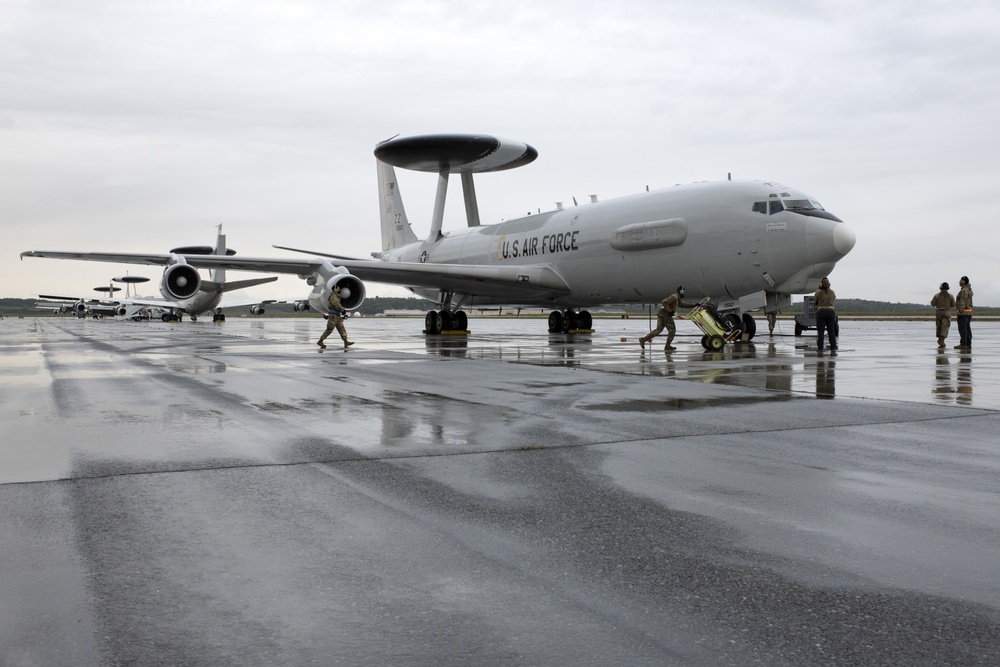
(183, 289)
(746, 245)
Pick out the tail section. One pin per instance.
(219, 275)
(396, 230)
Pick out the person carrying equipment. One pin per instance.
(335, 320)
(665, 319)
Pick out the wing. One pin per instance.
(86, 299)
(495, 281)
(116, 258)
(501, 282)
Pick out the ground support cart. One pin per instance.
(718, 330)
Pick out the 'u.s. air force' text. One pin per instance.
(548, 244)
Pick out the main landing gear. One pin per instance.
(445, 321)
(570, 321)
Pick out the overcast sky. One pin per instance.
(140, 126)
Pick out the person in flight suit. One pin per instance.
(665, 319)
(943, 302)
(335, 320)
(963, 314)
(826, 317)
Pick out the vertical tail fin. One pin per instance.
(219, 275)
(396, 230)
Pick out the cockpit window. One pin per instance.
(775, 207)
(760, 207)
(794, 204)
(810, 207)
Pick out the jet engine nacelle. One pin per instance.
(301, 306)
(121, 310)
(352, 290)
(257, 309)
(180, 281)
(80, 308)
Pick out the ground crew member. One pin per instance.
(963, 315)
(335, 320)
(665, 319)
(772, 317)
(826, 317)
(943, 301)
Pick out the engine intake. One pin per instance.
(180, 281)
(352, 290)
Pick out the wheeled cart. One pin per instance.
(718, 330)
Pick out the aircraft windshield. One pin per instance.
(809, 207)
(795, 204)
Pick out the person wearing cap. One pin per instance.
(963, 315)
(665, 319)
(335, 320)
(943, 302)
(826, 316)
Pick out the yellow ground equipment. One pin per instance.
(718, 330)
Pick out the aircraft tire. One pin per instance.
(432, 323)
(445, 319)
(736, 324)
(749, 326)
(555, 322)
(586, 320)
(570, 321)
(460, 320)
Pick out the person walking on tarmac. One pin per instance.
(665, 319)
(826, 317)
(963, 315)
(335, 320)
(943, 302)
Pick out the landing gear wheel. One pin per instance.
(460, 320)
(555, 322)
(716, 343)
(445, 320)
(432, 323)
(585, 320)
(749, 326)
(736, 324)
(571, 320)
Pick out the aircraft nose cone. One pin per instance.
(843, 239)
(828, 241)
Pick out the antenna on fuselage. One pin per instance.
(729, 176)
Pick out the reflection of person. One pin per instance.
(826, 317)
(665, 318)
(943, 302)
(335, 320)
(963, 316)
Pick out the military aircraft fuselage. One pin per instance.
(714, 238)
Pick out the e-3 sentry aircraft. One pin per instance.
(744, 244)
(181, 285)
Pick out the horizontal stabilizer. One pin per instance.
(242, 284)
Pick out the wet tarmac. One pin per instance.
(212, 494)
